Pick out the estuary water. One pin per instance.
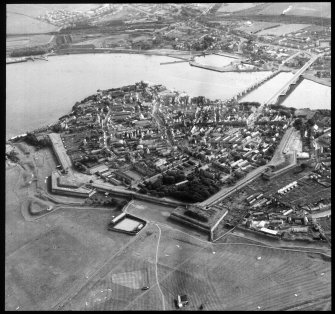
(38, 93)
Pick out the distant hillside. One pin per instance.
(21, 18)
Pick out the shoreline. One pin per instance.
(181, 55)
(317, 80)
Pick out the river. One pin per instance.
(38, 93)
(309, 94)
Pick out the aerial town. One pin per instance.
(144, 140)
(120, 202)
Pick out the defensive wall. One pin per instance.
(135, 195)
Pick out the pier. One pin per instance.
(172, 62)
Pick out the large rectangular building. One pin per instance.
(66, 187)
(60, 151)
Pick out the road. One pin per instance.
(164, 129)
(156, 267)
(224, 192)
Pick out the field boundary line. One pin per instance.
(70, 295)
(306, 303)
(282, 247)
(190, 235)
(156, 264)
(250, 244)
(274, 248)
(172, 270)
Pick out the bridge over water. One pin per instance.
(282, 91)
(293, 80)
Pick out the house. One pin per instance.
(182, 300)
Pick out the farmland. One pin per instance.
(69, 260)
(314, 9)
(233, 7)
(225, 281)
(256, 27)
(35, 10)
(46, 257)
(14, 42)
(283, 29)
(21, 24)
(21, 18)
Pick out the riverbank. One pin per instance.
(323, 81)
(228, 68)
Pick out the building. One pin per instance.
(182, 300)
(68, 186)
(127, 177)
(98, 169)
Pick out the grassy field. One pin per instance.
(14, 42)
(233, 7)
(256, 27)
(283, 29)
(315, 9)
(35, 10)
(68, 260)
(21, 24)
(45, 258)
(21, 18)
(223, 276)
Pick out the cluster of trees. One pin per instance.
(234, 123)
(142, 44)
(300, 125)
(12, 156)
(80, 166)
(29, 51)
(280, 122)
(62, 40)
(237, 175)
(197, 189)
(31, 139)
(188, 12)
(100, 199)
(249, 104)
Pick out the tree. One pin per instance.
(56, 128)
(271, 150)
(298, 124)
(168, 179)
(262, 162)
(311, 122)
